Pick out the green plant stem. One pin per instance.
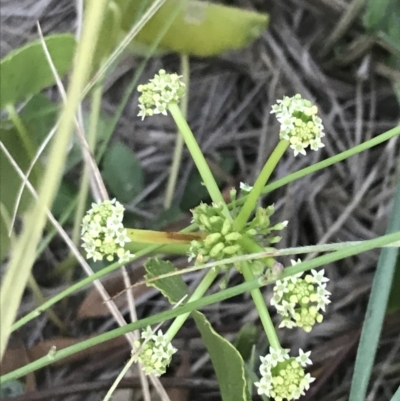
(198, 157)
(252, 247)
(179, 142)
(198, 293)
(262, 309)
(259, 185)
(189, 307)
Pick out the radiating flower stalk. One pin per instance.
(225, 233)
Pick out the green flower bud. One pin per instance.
(235, 236)
(226, 227)
(231, 250)
(216, 249)
(212, 239)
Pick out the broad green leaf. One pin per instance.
(173, 288)
(196, 192)
(200, 29)
(226, 359)
(38, 116)
(67, 193)
(122, 172)
(10, 187)
(166, 217)
(376, 309)
(26, 71)
(246, 339)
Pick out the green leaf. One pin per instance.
(196, 192)
(173, 288)
(66, 194)
(26, 70)
(227, 361)
(4, 238)
(246, 339)
(122, 172)
(166, 217)
(376, 309)
(39, 117)
(9, 188)
(201, 28)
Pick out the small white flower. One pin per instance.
(304, 358)
(103, 234)
(300, 300)
(163, 90)
(300, 124)
(319, 277)
(285, 380)
(155, 352)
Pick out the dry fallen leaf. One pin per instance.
(94, 306)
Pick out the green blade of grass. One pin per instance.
(376, 309)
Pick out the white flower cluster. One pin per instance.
(163, 90)
(103, 233)
(300, 124)
(299, 300)
(155, 352)
(282, 376)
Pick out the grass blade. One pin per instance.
(376, 309)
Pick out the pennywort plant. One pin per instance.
(224, 232)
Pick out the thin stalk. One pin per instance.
(198, 293)
(259, 185)
(179, 142)
(262, 309)
(198, 157)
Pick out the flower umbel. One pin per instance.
(300, 124)
(163, 90)
(283, 377)
(103, 233)
(223, 241)
(300, 300)
(154, 352)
